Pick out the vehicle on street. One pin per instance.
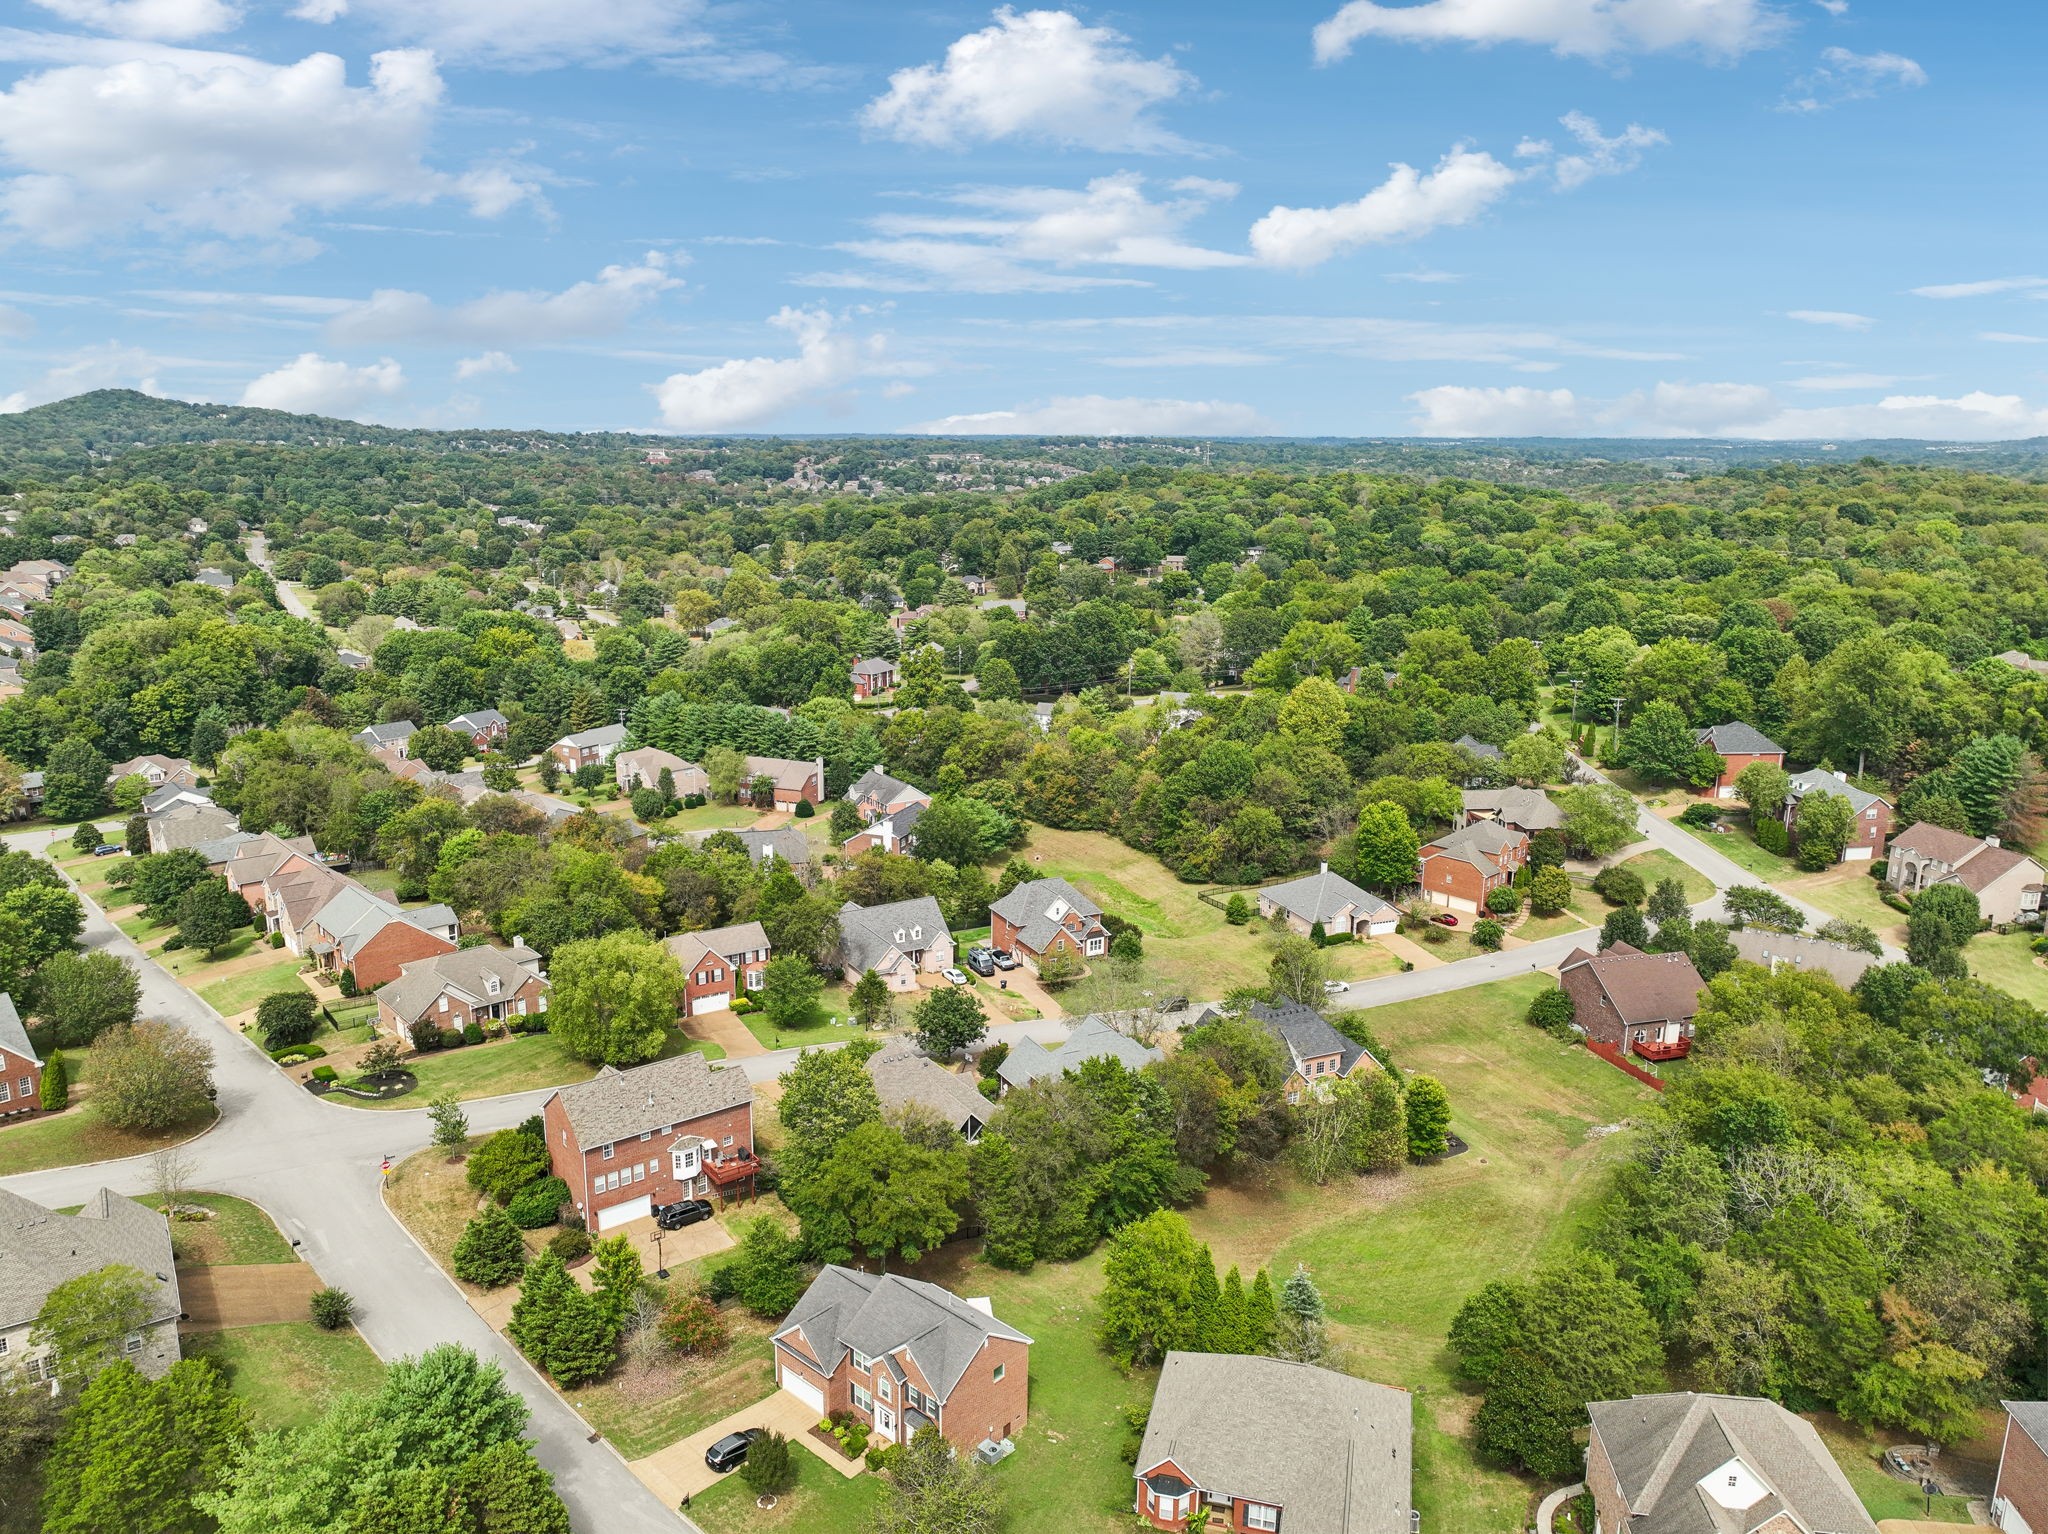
(954, 977)
(730, 1452)
(1005, 959)
(981, 961)
(1445, 920)
(1335, 987)
(683, 1212)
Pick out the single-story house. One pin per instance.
(1090, 1039)
(1044, 916)
(1265, 1444)
(587, 747)
(1644, 1002)
(1687, 1463)
(902, 1354)
(898, 941)
(1738, 744)
(40, 1249)
(625, 1141)
(1873, 816)
(21, 1068)
(904, 1077)
(361, 933)
(481, 985)
(1789, 950)
(2007, 884)
(1331, 899)
(720, 963)
(1462, 867)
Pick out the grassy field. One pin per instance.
(835, 1001)
(76, 1137)
(290, 1373)
(508, 1065)
(1183, 936)
(238, 993)
(239, 1233)
(822, 1503)
(1659, 864)
(2007, 961)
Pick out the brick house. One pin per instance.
(625, 1141)
(40, 1249)
(1738, 745)
(891, 833)
(482, 985)
(1644, 1002)
(21, 1068)
(2019, 1500)
(1332, 900)
(793, 780)
(1462, 867)
(1317, 1054)
(901, 1354)
(1048, 916)
(483, 728)
(358, 932)
(1683, 1461)
(643, 767)
(587, 747)
(2007, 884)
(1265, 1444)
(877, 796)
(1527, 810)
(156, 771)
(383, 737)
(898, 941)
(719, 964)
(873, 676)
(1873, 816)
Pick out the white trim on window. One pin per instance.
(1257, 1515)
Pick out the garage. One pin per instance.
(715, 1001)
(801, 1388)
(633, 1209)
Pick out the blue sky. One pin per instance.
(1442, 217)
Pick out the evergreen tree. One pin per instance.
(1008, 1228)
(56, 1083)
(1625, 925)
(768, 1275)
(1207, 1306)
(617, 1276)
(1302, 1333)
(1233, 1321)
(1261, 1314)
(545, 1293)
(1385, 1129)
(507, 1492)
(870, 1002)
(491, 1251)
(768, 1469)
(564, 1331)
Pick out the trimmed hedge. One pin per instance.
(297, 1054)
(539, 1205)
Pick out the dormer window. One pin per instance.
(1057, 911)
(899, 934)
(492, 986)
(916, 934)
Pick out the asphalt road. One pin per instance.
(287, 592)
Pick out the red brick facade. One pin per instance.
(1080, 937)
(1724, 786)
(1167, 1512)
(2022, 1483)
(458, 1012)
(1610, 1509)
(980, 1406)
(380, 959)
(601, 1176)
(716, 979)
(21, 1085)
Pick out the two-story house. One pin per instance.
(40, 1249)
(1638, 1002)
(719, 964)
(587, 748)
(625, 1141)
(1461, 868)
(901, 1354)
(643, 766)
(360, 933)
(906, 1077)
(156, 771)
(1738, 745)
(483, 728)
(1330, 900)
(876, 795)
(873, 676)
(895, 832)
(1317, 1054)
(792, 781)
(482, 985)
(1872, 822)
(2007, 884)
(1265, 1445)
(898, 941)
(2019, 1498)
(1527, 810)
(1046, 916)
(21, 1068)
(386, 737)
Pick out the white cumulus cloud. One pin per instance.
(602, 306)
(748, 390)
(1406, 206)
(1100, 415)
(1844, 76)
(109, 366)
(1719, 29)
(1838, 319)
(1599, 155)
(170, 21)
(191, 142)
(1451, 410)
(1035, 75)
(311, 384)
(485, 364)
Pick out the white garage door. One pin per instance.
(716, 1001)
(633, 1209)
(802, 1389)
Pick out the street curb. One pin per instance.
(86, 1166)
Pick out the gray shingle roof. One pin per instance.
(1483, 749)
(877, 784)
(1815, 781)
(1332, 1451)
(741, 937)
(477, 721)
(615, 1104)
(903, 1076)
(355, 915)
(2031, 1418)
(873, 666)
(1306, 1035)
(868, 933)
(1028, 907)
(1738, 739)
(1479, 844)
(1759, 945)
(785, 842)
(603, 735)
(1527, 809)
(1321, 896)
(1672, 1457)
(1091, 1039)
(386, 734)
(467, 971)
(875, 1314)
(40, 1250)
(14, 1037)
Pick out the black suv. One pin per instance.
(684, 1212)
(730, 1452)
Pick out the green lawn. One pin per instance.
(505, 1066)
(2007, 961)
(706, 1390)
(711, 817)
(290, 1373)
(76, 1137)
(822, 1503)
(835, 1001)
(239, 1233)
(1659, 864)
(238, 993)
(1883, 1496)
(1740, 848)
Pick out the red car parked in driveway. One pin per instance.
(1445, 920)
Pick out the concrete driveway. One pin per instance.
(677, 1246)
(679, 1470)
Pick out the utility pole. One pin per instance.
(1575, 700)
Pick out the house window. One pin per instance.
(882, 1386)
(1257, 1515)
(3, 1345)
(4, 1091)
(862, 1399)
(861, 1361)
(999, 1372)
(646, 1135)
(1095, 945)
(133, 1344)
(605, 1154)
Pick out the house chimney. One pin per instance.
(1992, 841)
(1841, 777)
(1325, 868)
